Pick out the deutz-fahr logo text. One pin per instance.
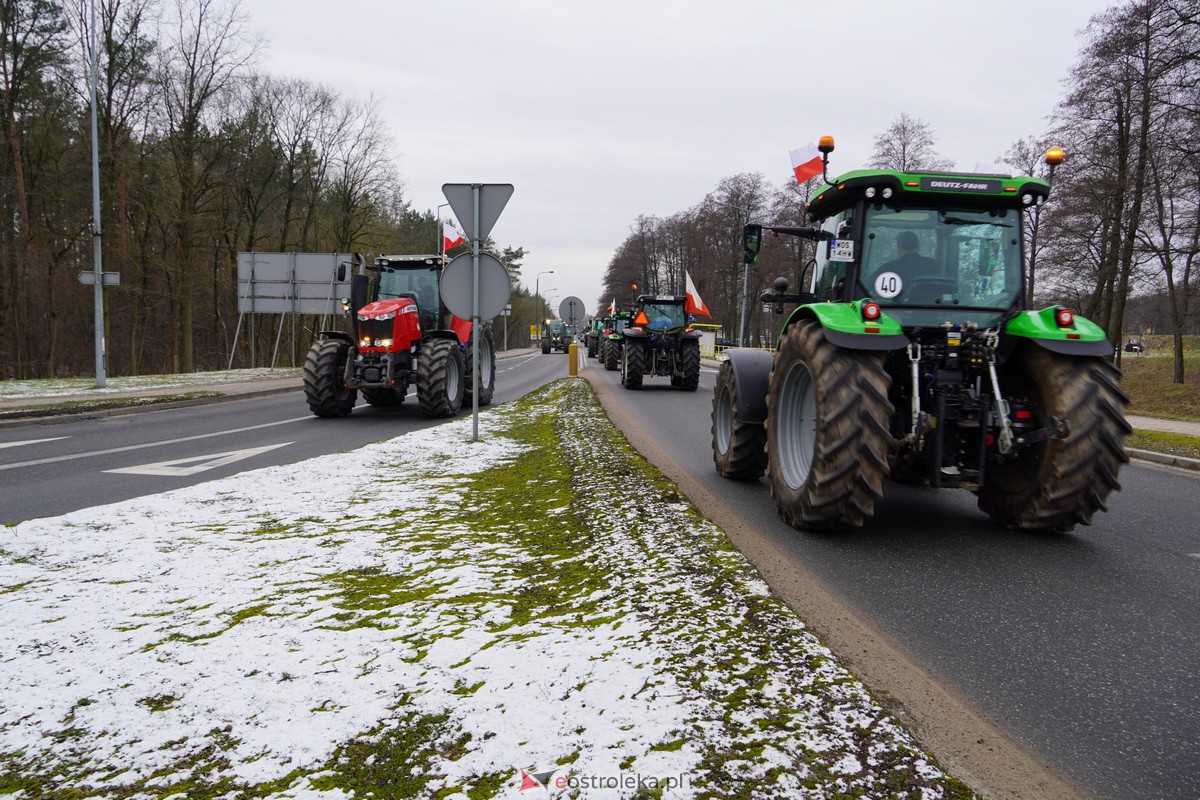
(960, 185)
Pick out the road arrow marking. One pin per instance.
(197, 463)
(30, 441)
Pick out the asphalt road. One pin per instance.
(1011, 654)
(61, 464)
(1084, 647)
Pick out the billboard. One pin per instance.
(292, 283)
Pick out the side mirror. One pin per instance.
(751, 241)
(341, 272)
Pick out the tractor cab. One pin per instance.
(921, 251)
(414, 277)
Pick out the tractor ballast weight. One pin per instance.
(659, 341)
(401, 335)
(914, 357)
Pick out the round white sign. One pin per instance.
(888, 285)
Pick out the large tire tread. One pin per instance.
(1061, 483)
(745, 443)
(324, 379)
(850, 434)
(690, 358)
(441, 376)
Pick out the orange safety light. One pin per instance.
(641, 319)
(825, 144)
(1055, 156)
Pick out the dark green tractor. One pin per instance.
(659, 341)
(915, 357)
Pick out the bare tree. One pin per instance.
(203, 56)
(908, 145)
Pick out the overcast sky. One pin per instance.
(597, 112)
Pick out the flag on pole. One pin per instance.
(694, 305)
(612, 308)
(450, 237)
(806, 163)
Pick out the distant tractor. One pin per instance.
(609, 348)
(914, 357)
(659, 341)
(401, 336)
(594, 333)
(556, 336)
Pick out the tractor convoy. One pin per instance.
(401, 336)
(915, 357)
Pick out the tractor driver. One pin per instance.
(909, 262)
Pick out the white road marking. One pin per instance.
(31, 441)
(197, 463)
(73, 456)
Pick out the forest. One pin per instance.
(202, 156)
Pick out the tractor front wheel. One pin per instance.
(1060, 483)
(440, 378)
(827, 430)
(610, 354)
(325, 379)
(739, 448)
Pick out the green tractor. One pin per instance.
(659, 341)
(611, 338)
(915, 357)
(594, 333)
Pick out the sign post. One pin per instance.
(479, 206)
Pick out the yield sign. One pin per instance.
(493, 197)
(183, 467)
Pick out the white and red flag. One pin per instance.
(451, 238)
(806, 163)
(694, 305)
(612, 308)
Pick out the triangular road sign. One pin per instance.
(493, 197)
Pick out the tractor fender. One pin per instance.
(751, 373)
(842, 325)
(345, 337)
(634, 333)
(442, 334)
(1081, 338)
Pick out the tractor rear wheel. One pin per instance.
(633, 356)
(827, 430)
(440, 378)
(610, 354)
(325, 379)
(739, 448)
(483, 373)
(1060, 483)
(689, 358)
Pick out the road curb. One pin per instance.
(1166, 459)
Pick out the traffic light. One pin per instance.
(752, 241)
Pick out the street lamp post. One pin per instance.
(537, 314)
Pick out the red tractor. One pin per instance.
(401, 336)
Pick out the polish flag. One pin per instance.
(612, 308)
(694, 305)
(806, 163)
(451, 238)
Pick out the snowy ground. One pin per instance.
(86, 387)
(535, 614)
